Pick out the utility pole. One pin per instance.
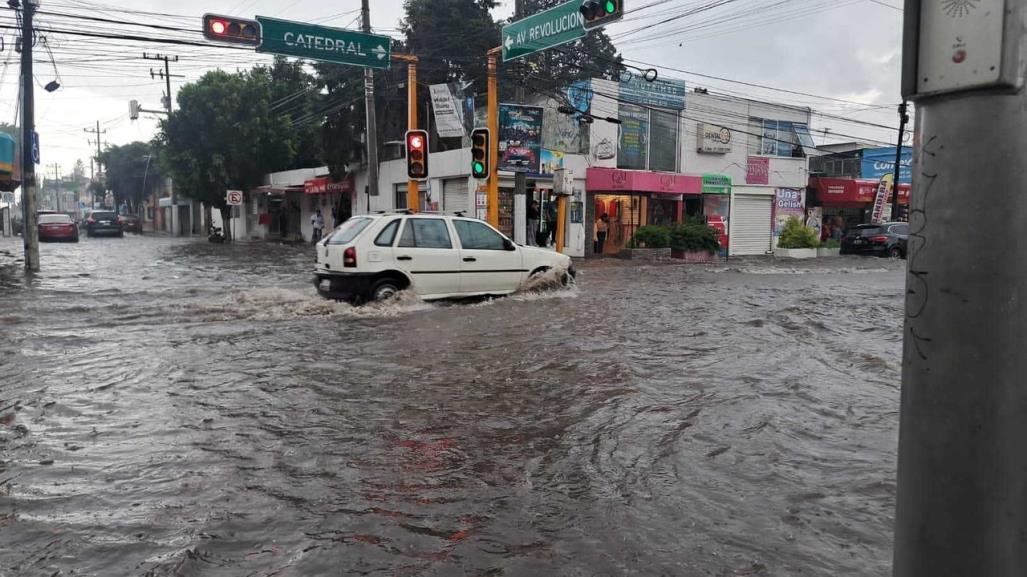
(521, 199)
(961, 503)
(97, 132)
(29, 233)
(372, 125)
(166, 74)
(903, 119)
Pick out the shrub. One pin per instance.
(797, 235)
(832, 243)
(651, 237)
(695, 236)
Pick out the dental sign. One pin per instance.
(714, 139)
(324, 43)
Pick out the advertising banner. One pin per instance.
(758, 170)
(520, 138)
(714, 139)
(787, 203)
(552, 160)
(878, 162)
(634, 137)
(454, 112)
(877, 216)
(664, 93)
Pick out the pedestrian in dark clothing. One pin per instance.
(533, 217)
(602, 229)
(551, 216)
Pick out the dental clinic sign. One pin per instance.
(324, 43)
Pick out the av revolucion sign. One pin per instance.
(324, 43)
(558, 25)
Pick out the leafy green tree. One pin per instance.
(341, 118)
(129, 168)
(295, 95)
(224, 136)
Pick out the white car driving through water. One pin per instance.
(372, 257)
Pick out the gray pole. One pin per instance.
(897, 171)
(57, 184)
(29, 233)
(962, 464)
(372, 125)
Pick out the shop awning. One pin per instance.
(619, 180)
(325, 184)
(851, 191)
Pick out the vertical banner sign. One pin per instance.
(787, 203)
(881, 199)
(449, 120)
(634, 137)
(520, 138)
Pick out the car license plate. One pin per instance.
(858, 241)
(105, 222)
(325, 284)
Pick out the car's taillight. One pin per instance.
(879, 239)
(349, 257)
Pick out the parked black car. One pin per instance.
(887, 239)
(104, 223)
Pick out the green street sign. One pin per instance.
(324, 43)
(553, 27)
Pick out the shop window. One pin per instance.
(400, 194)
(779, 138)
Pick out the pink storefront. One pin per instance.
(634, 198)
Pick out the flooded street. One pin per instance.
(172, 407)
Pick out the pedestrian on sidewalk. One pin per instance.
(318, 222)
(533, 216)
(551, 216)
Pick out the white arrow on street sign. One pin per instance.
(380, 52)
(509, 42)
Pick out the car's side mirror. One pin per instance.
(509, 244)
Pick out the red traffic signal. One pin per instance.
(598, 13)
(231, 29)
(417, 154)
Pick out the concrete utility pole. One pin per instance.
(97, 132)
(962, 466)
(57, 184)
(166, 74)
(372, 125)
(29, 233)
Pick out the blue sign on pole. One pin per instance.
(35, 147)
(878, 162)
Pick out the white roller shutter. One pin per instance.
(750, 224)
(455, 196)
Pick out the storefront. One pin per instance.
(716, 206)
(847, 202)
(334, 198)
(630, 199)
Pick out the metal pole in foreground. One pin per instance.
(897, 170)
(962, 465)
(372, 125)
(29, 233)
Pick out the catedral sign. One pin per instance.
(324, 43)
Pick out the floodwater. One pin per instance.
(171, 407)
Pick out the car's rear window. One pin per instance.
(103, 216)
(55, 219)
(349, 230)
(867, 230)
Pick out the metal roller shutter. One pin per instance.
(750, 224)
(455, 196)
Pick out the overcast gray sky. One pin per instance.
(846, 49)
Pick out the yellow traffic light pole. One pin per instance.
(493, 122)
(413, 186)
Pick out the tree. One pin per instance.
(130, 168)
(295, 95)
(78, 173)
(224, 136)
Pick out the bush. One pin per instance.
(797, 235)
(695, 236)
(651, 237)
(832, 243)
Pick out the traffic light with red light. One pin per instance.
(417, 154)
(480, 147)
(598, 13)
(231, 29)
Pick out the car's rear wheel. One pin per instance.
(385, 289)
(895, 252)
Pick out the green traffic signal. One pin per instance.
(611, 6)
(479, 168)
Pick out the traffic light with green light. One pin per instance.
(231, 29)
(417, 154)
(480, 145)
(599, 13)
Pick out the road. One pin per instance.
(171, 407)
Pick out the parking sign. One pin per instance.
(234, 198)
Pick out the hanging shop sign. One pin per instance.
(716, 184)
(757, 170)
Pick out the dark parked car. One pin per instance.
(57, 228)
(131, 223)
(104, 223)
(887, 239)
